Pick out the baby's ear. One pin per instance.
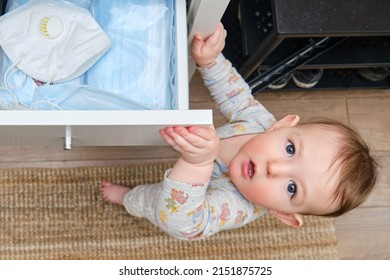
(287, 121)
(293, 220)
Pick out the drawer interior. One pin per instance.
(107, 126)
(139, 71)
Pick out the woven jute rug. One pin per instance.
(59, 214)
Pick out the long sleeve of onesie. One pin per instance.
(188, 211)
(234, 99)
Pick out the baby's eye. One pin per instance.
(292, 189)
(290, 148)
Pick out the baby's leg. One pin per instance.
(114, 193)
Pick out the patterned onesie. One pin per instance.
(188, 211)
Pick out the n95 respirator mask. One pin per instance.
(52, 41)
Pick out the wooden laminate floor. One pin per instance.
(362, 233)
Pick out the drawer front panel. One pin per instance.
(93, 128)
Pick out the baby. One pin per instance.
(253, 165)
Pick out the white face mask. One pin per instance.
(52, 41)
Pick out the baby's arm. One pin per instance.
(205, 50)
(229, 90)
(198, 147)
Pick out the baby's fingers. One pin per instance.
(197, 44)
(191, 138)
(167, 136)
(217, 37)
(174, 137)
(207, 133)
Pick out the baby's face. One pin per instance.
(289, 169)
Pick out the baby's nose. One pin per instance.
(278, 169)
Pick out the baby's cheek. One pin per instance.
(259, 195)
(253, 193)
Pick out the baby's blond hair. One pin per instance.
(357, 168)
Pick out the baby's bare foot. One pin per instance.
(113, 193)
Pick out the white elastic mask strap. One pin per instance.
(4, 104)
(11, 70)
(52, 78)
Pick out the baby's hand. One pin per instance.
(197, 145)
(204, 51)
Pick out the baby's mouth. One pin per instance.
(251, 169)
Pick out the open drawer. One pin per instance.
(108, 128)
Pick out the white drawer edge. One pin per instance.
(182, 56)
(139, 117)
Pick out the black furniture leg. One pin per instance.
(291, 63)
(271, 41)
